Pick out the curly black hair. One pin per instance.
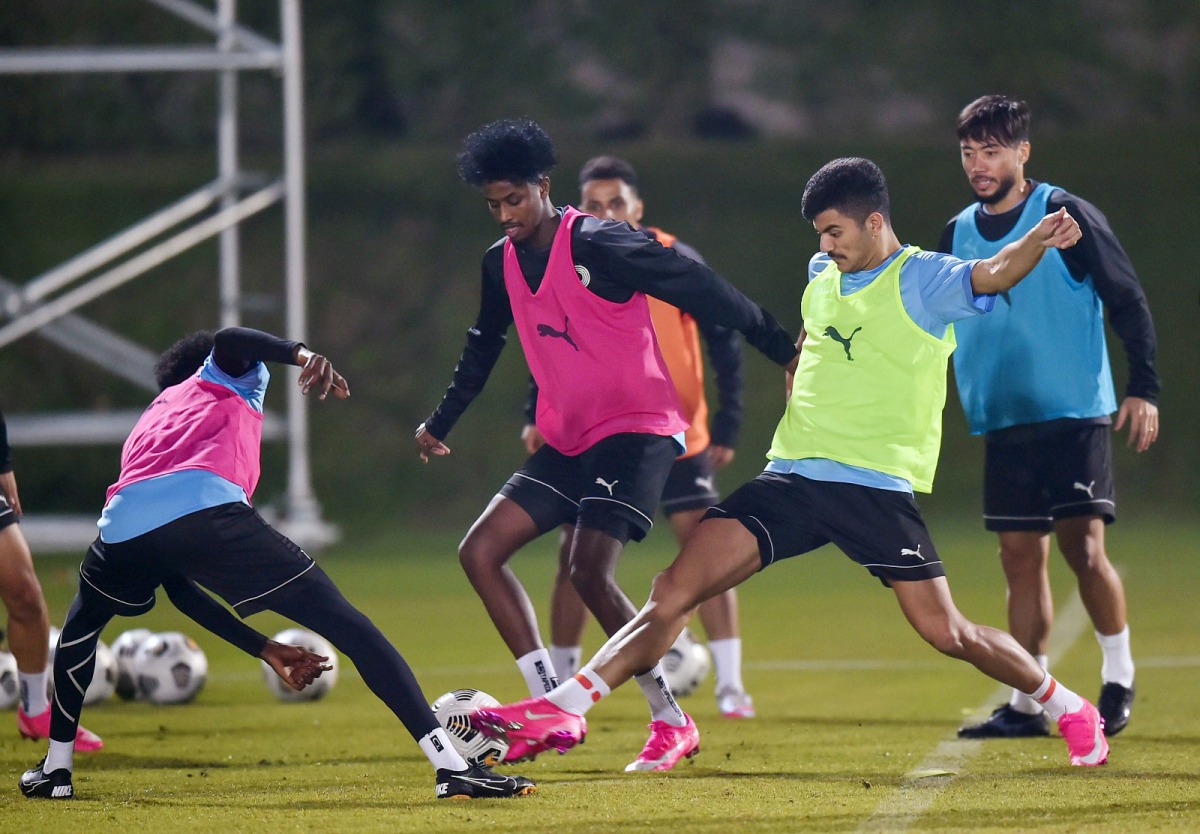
(608, 168)
(182, 359)
(509, 150)
(852, 185)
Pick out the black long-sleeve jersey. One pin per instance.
(620, 261)
(1100, 256)
(725, 359)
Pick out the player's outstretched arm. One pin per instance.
(1006, 268)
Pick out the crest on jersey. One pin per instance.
(585, 277)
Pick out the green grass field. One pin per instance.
(852, 708)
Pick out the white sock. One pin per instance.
(538, 672)
(1022, 702)
(578, 693)
(1055, 698)
(727, 657)
(33, 692)
(1117, 666)
(60, 755)
(658, 695)
(565, 660)
(441, 753)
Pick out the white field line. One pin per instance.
(919, 791)
(827, 665)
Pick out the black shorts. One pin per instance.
(7, 514)
(613, 487)
(691, 485)
(881, 529)
(1028, 486)
(227, 549)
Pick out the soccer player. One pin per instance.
(575, 286)
(609, 190)
(28, 620)
(1034, 379)
(861, 431)
(179, 516)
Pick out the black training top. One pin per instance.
(621, 261)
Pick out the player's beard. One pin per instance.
(1005, 186)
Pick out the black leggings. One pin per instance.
(313, 601)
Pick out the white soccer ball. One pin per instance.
(318, 688)
(104, 677)
(453, 710)
(685, 667)
(124, 648)
(10, 685)
(169, 668)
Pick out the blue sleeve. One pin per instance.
(937, 292)
(250, 386)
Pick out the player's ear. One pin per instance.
(1023, 150)
(544, 187)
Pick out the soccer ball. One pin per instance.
(104, 677)
(169, 668)
(10, 685)
(453, 710)
(685, 667)
(318, 688)
(123, 648)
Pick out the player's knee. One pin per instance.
(671, 597)
(1087, 556)
(950, 637)
(591, 579)
(25, 602)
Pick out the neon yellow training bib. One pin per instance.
(871, 383)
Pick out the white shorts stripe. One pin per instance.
(543, 483)
(311, 565)
(615, 501)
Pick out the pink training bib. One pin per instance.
(597, 364)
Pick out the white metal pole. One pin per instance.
(227, 167)
(301, 502)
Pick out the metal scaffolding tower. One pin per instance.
(44, 305)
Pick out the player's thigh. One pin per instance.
(547, 488)
(1079, 474)
(720, 554)
(1015, 496)
(18, 583)
(499, 532)
(690, 489)
(881, 529)
(622, 479)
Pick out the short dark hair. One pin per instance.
(608, 168)
(996, 118)
(182, 359)
(852, 185)
(509, 150)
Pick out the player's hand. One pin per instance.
(532, 438)
(8, 488)
(295, 665)
(721, 456)
(428, 445)
(1059, 230)
(1142, 416)
(317, 372)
